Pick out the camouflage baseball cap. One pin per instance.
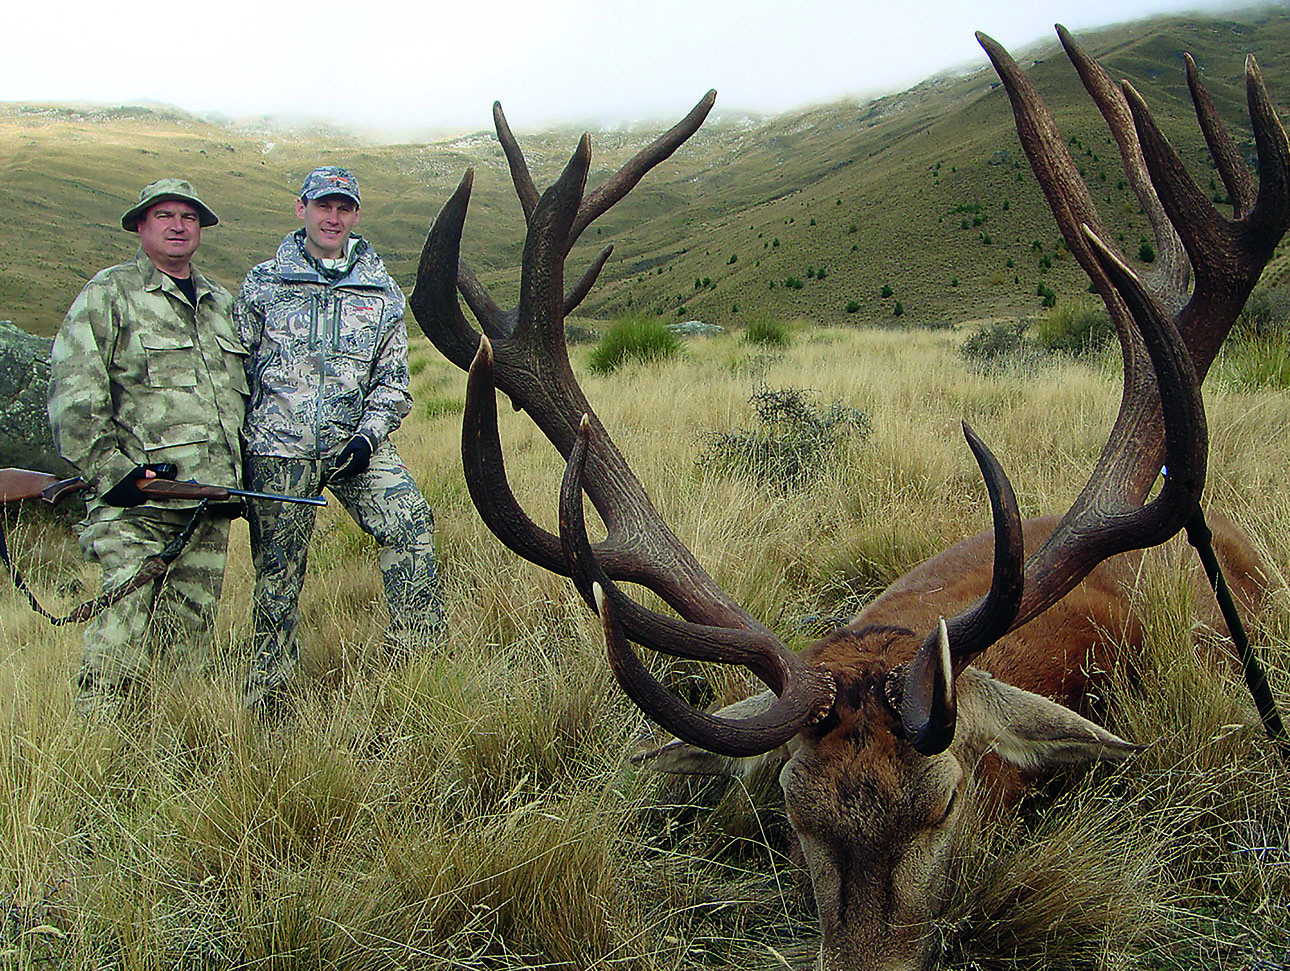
(330, 180)
(164, 190)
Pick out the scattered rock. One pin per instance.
(695, 328)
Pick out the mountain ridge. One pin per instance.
(831, 213)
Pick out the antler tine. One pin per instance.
(1237, 179)
(972, 631)
(1170, 275)
(805, 692)
(434, 298)
(634, 170)
(520, 176)
(1267, 221)
(485, 471)
(1056, 171)
(496, 322)
(541, 308)
(587, 280)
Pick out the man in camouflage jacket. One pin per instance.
(328, 369)
(147, 373)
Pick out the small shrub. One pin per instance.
(852, 306)
(1266, 314)
(995, 346)
(634, 338)
(794, 283)
(767, 332)
(898, 310)
(795, 439)
(1077, 327)
(886, 291)
(1146, 252)
(1259, 362)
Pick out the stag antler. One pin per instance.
(1167, 339)
(523, 353)
(1161, 419)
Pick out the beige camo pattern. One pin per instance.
(137, 376)
(167, 623)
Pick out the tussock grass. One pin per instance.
(477, 808)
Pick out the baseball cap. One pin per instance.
(330, 180)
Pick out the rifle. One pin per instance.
(16, 484)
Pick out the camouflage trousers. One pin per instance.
(169, 622)
(386, 503)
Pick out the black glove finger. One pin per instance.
(125, 492)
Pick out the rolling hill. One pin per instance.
(832, 214)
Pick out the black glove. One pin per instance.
(353, 458)
(126, 493)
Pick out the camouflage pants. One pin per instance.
(386, 503)
(169, 621)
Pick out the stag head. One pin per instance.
(883, 721)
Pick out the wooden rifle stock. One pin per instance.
(18, 484)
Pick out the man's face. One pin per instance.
(170, 232)
(328, 223)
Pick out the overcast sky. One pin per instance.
(409, 66)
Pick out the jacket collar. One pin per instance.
(156, 279)
(294, 263)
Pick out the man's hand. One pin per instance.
(126, 492)
(353, 458)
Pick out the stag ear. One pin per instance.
(682, 758)
(1027, 729)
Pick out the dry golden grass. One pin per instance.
(476, 808)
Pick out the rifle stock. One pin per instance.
(16, 484)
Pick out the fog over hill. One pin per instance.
(921, 197)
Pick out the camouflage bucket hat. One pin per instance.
(164, 190)
(330, 180)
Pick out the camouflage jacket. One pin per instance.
(138, 376)
(327, 352)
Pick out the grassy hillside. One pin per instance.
(925, 193)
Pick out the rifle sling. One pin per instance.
(153, 568)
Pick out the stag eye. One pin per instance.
(949, 808)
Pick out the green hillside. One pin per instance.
(923, 196)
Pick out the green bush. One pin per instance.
(1076, 327)
(795, 440)
(996, 346)
(767, 332)
(1266, 314)
(1259, 362)
(634, 338)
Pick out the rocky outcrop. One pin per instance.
(25, 439)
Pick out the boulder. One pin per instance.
(695, 328)
(25, 439)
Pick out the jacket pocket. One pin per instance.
(234, 363)
(169, 361)
(185, 445)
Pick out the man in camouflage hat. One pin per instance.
(328, 366)
(146, 376)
